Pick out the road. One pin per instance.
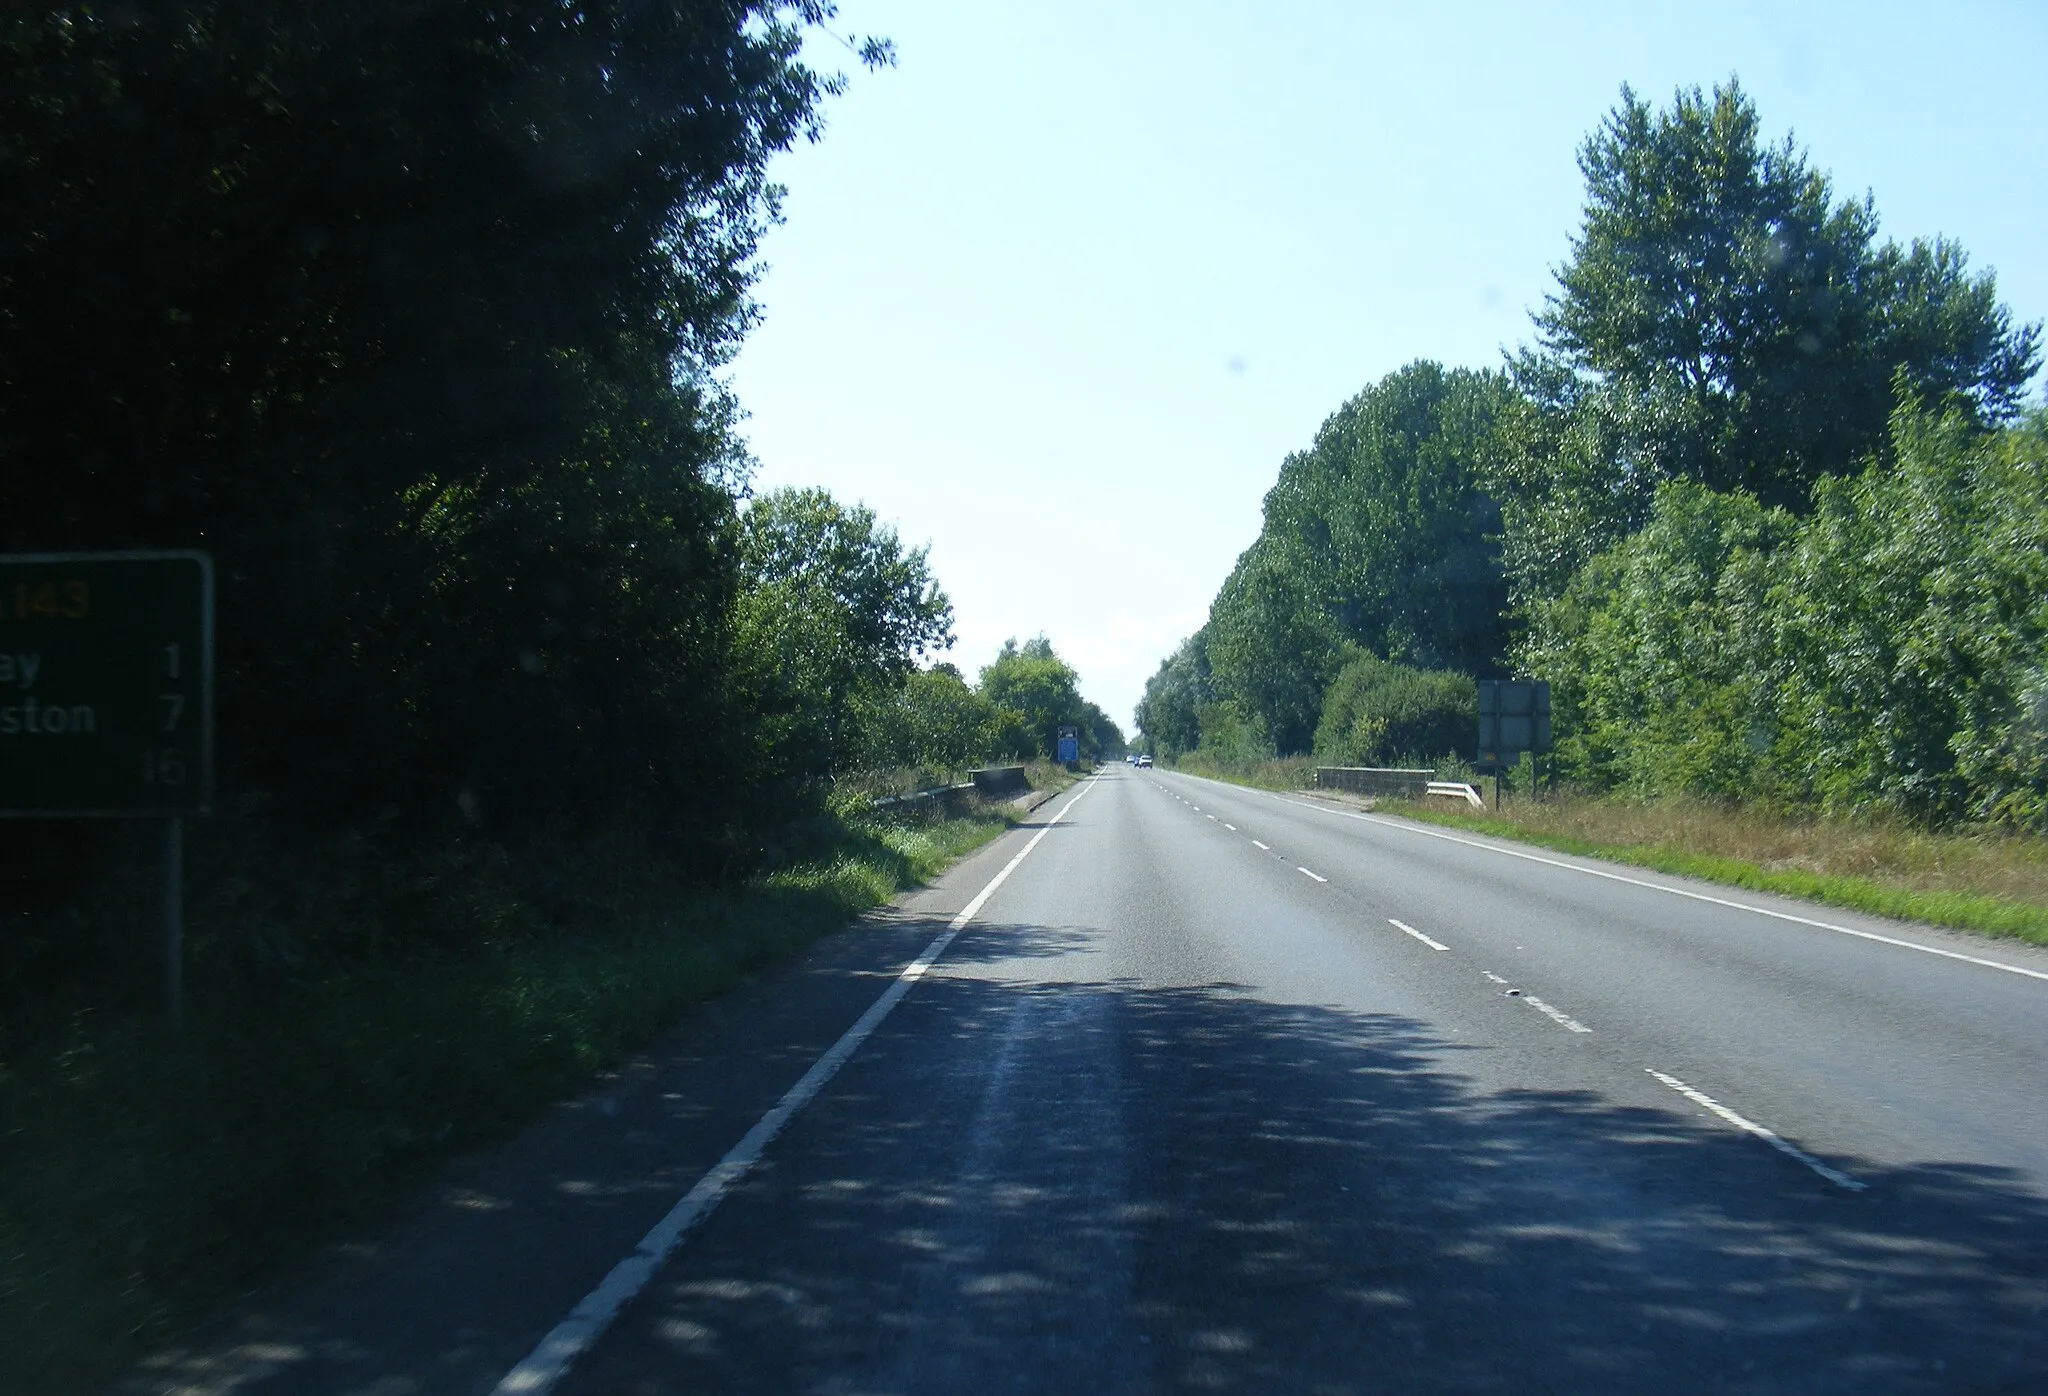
(1224, 1090)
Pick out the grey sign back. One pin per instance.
(1514, 717)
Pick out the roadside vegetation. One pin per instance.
(1764, 502)
(1986, 881)
(149, 1175)
(537, 723)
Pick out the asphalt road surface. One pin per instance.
(1226, 1091)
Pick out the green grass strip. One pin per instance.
(1961, 911)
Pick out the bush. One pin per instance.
(1889, 650)
(1377, 713)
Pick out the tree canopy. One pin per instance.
(409, 314)
(1381, 535)
(832, 607)
(1044, 690)
(1746, 322)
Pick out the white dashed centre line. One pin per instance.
(1208, 816)
(1557, 1016)
(1783, 1146)
(1494, 977)
(1404, 926)
(1265, 848)
(1306, 873)
(1231, 827)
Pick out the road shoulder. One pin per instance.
(455, 1287)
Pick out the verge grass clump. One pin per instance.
(1993, 882)
(341, 1040)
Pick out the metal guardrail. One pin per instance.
(1457, 790)
(1389, 780)
(922, 801)
(1373, 780)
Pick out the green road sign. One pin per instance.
(106, 683)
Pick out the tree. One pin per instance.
(1659, 653)
(1382, 535)
(1043, 689)
(1272, 645)
(1745, 324)
(832, 606)
(935, 721)
(410, 314)
(1910, 626)
(1168, 716)
(1390, 516)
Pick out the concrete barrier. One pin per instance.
(996, 781)
(1374, 780)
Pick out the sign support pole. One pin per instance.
(173, 920)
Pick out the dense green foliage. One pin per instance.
(1169, 714)
(413, 315)
(1887, 648)
(407, 313)
(1378, 713)
(1724, 319)
(1762, 505)
(1381, 535)
(1043, 692)
(831, 617)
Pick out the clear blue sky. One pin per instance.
(1059, 291)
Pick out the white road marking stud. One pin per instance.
(540, 1370)
(1783, 1146)
(1676, 891)
(1557, 1016)
(1266, 847)
(1307, 873)
(1404, 926)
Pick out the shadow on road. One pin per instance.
(1106, 1187)
(1023, 1186)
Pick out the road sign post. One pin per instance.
(106, 701)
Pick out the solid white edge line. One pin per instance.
(1404, 926)
(540, 1370)
(1783, 1146)
(1556, 1015)
(1317, 876)
(1675, 891)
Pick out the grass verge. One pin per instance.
(146, 1177)
(1989, 883)
(1982, 881)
